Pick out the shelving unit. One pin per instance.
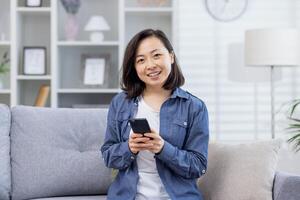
(45, 26)
(33, 10)
(5, 46)
(4, 43)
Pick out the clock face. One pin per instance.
(226, 10)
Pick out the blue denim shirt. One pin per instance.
(183, 159)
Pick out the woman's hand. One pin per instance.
(157, 143)
(138, 143)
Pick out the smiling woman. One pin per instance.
(166, 163)
(153, 62)
(150, 56)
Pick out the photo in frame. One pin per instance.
(95, 70)
(33, 3)
(34, 61)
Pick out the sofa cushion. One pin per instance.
(243, 171)
(286, 186)
(5, 175)
(56, 152)
(75, 198)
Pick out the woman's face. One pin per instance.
(153, 62)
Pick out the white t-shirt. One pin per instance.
(149, 185)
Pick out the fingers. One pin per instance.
(152, 142)
(141, 145)
(157, 142)
(137, 142)
(152, 135)
(140, 140)
(136, 135)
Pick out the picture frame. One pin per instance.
(33, 3)
(95, 70)
(34, 60)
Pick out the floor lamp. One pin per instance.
(240, 73)
(272, 48)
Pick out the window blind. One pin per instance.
(237, 110)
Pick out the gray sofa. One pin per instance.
(54, 154)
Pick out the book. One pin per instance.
(42, 96)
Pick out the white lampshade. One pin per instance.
(272, 47)
(238, 71)
(97, 23)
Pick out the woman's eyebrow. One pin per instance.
(139, 56)
(150, 52)
(155, 50)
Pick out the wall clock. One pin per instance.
(226, 10)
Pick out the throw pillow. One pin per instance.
(240, 172)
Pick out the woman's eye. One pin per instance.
(140, 61)
(156, 55)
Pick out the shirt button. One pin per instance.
(203, 171)
(132, 157)
(185, 123)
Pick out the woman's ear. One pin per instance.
(172, 56)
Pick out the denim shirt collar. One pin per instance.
(178, 92)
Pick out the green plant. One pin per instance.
(294, 125)
(4, 65)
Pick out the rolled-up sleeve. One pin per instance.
(115, 152)
(191, 160)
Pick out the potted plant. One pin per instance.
(293, 128)
(71, 27)
(4, 67)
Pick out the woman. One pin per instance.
(165, 163)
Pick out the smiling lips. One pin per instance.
(154, 74)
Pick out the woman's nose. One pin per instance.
(150, 63)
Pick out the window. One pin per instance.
(238, 110)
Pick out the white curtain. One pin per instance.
(239, 110)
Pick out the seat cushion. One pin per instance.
(103, 197)
(56, 152)
(5, 175)
(243, 171)
(286, 186)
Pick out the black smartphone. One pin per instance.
(140, 125)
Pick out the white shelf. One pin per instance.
(34, 77)
(4, 91)
(45, 26)
(4, 43)
(78, 91)
(34, 10)
(148, 10)
(87, 43)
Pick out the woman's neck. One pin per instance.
(156, 92)
(156, 97)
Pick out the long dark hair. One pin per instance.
(130, 82)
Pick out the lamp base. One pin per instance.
(96, 36)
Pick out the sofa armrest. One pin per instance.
(286, 186)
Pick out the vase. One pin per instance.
(71, 27)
